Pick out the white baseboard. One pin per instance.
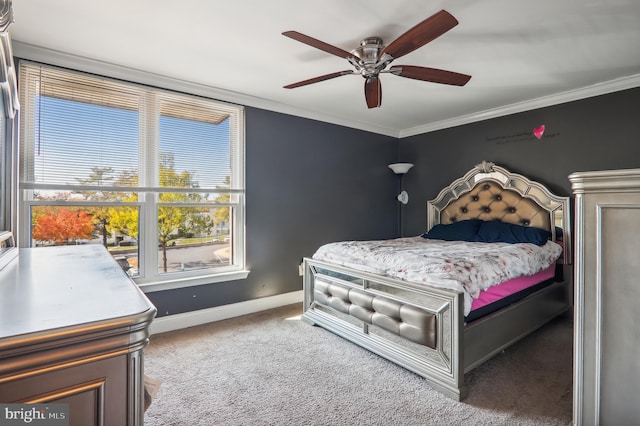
(203, 316)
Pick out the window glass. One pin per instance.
(115, 227)
(193, 238)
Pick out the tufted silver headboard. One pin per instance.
(490, 192)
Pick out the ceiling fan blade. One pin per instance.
(317, 44)
(426, 31)
(318, 79)
(373, 92)
(433, 75)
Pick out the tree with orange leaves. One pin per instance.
(62, 225)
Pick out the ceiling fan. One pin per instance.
(373, 58)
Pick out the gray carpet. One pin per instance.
(269, 369)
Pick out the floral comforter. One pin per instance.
(468, 267)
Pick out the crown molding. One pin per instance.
(603, 88)
(53, 57)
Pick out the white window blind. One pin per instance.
(78, 123)
(75, 123)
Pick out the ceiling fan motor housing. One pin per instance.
(370, 57)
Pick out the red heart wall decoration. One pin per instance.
(538, 131)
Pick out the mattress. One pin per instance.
(502, 295)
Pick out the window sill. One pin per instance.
(149, 287)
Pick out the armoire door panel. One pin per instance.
(618, 288)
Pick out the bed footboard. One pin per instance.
(416, 327)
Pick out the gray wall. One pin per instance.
(308, 183)
(598, 133)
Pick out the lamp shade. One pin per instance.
(400, 168)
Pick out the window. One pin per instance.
(155, 176)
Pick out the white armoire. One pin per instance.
(607, 297)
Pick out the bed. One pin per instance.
(429, 324)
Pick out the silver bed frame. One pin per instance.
(459, 347)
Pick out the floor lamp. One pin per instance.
(401, 169)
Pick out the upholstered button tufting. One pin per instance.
(409, 322)
(505, 204)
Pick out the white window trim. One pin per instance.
(186, 279)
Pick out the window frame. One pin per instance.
(148, 199)
(9, 116)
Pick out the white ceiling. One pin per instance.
(522, 54)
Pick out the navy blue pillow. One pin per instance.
(495, 231)
(464, 230)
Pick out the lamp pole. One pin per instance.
(400, 204)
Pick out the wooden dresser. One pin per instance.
(607, 296)
(72, 330)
